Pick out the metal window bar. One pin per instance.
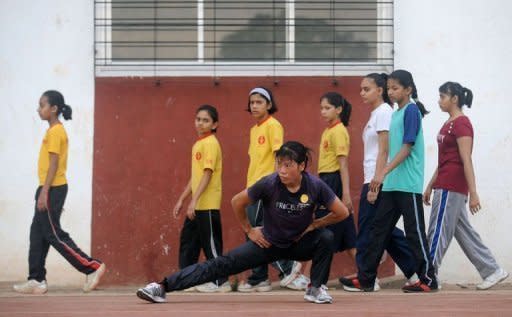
(196, 36)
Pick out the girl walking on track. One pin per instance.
(266, 137)
(50, 196)
(453, 178)
(202, 228)
(376, 146)
(402, 189)
(333, 166)
(290, 197)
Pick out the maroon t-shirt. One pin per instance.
(450, 173)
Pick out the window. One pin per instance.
(227, 37)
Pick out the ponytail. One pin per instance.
(468, 97)
(464, 95)
(66, 112)
(345, 113)
(55, 98)
(337, 101)
(420, 105)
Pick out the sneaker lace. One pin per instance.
(322, 292)
(155, 289)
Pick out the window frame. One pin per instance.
(201, 67)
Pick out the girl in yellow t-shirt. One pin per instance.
(50, 196)
(333, 166)
(202, 229)
(266, 137)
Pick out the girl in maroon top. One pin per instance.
(453, 178)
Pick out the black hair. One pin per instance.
(55, 98)
(295, 151)
(381, 81)
(337, 101)
(272, 101)
(212, 112)
(465, 95)
(404, 78)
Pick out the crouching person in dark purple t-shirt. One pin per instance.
(290, 197)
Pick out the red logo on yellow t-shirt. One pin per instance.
(326, 145)
(198, 156)
(261, 139)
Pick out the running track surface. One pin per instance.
(107, 302)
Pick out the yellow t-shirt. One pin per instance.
(335, 142)
(55, 141)
(266, 138)
(207, 154)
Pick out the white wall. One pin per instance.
(468, 42)
(45, 45)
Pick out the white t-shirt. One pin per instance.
(380, 120)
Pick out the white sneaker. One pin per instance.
(31, 287)
(264, 286)
(93, 279)
(493, 279)
(317, 295)
(308, 296)
(153, 292)
(300, 283)
(376, 286)
(211, 287)
(287, 279)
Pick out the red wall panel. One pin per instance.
(143, 136)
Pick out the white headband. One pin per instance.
(262, 92)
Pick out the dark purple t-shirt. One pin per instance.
(286, 215)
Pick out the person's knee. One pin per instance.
(326, 237)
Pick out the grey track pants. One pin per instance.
(448, 219)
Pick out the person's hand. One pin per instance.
(42, 201)
(426, 195)
(372, 197)
(177, 208)
(191, 210)
(474, 203)
(348, 203)
(376, 182)
(256, 236)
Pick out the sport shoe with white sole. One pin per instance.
(300, 283)
(93, 279)
(264, 286)
(353, 285)
(317, 295)
(493, 279)
(153, 292)
(412, 280)
(376, 286)
(287, 279)
(31, 287)
(214, 288)
(420, 287)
